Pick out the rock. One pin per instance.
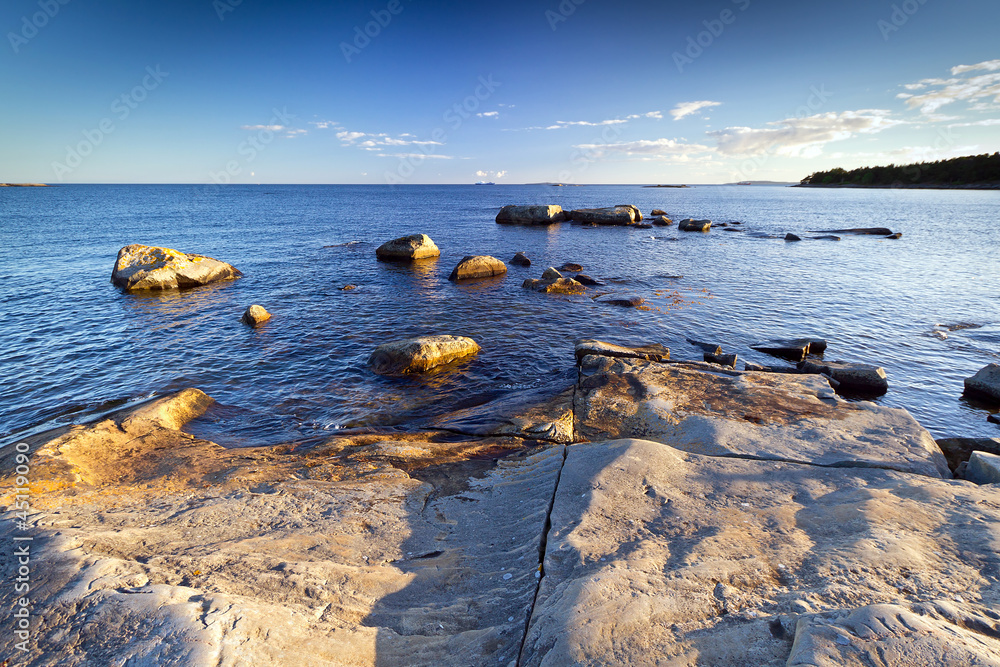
(870, 231)
(853, 377)
(985, 383)
(551, 274)
(758, 368)
(255, 315)
(618, 215)
(520, 259)
(637, 214)
(644, 226)
(958, 450)
(142, 267)
(530, 215)
(416, 355)
(557, 286)
(650, 352)
(570, 266)
(826, 237)
(478, 266)
(348, 288)
(794, 349)
(584, 279)
(661, 221)
(707, 348)
(721, 359)
(624, 302)
(792, 237)
(656, 556)
(993, 419)
(407, 248)
(539, 414)
(897, 235)
(762, 415)
(656, 212)
(983, 468)
(691, 225)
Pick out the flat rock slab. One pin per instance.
(650, 352)
(656, 556)
(760, 415)
(543, 414)
(140, 267)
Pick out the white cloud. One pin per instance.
(326, 125)
(489, 114)
(269, 128)
(981, 87)
(494, 174)
(405, 156)
(645, 148)
(687, 108)
(801, 136)
(291, 134)
(349, 137)
(989, 122)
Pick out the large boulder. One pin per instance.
(143, 267)
(530, 215)
(478, 266)
(692, 225)
(617, 215)
(985, 383)
(759, 415)
(416, 355)
(852, 377)
(637, 214)
(407, 248)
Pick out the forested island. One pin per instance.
(974, 171)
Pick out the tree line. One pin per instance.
(969, 170)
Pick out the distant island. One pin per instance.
(24, 185)
(973, 172)
(664, 186)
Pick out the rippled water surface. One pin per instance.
(73, 345)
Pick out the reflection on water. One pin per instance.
(74, 343)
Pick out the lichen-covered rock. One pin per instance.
(985, 383)
(530, 215)
(407, 248)
(416, 355)
(255, 315)
(478, 266)
(142, 267)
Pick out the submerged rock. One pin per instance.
(618, 215)
(985, 383)
(853, 377)
(650, 352)
(792, 237)
(707, 348)
(538, 414)
(407, 248)
(865, 231)
(478, 266)
(416, 355)
(520, 259)
(825, 237)
(624, 301)
(571, 266)
(255, 315)
(142, 267)
(553, 282)
(530, 215)
(584, 279)
(896, 236)
(692, 225)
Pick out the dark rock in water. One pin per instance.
(993, 419)
(692, 225)
(707, 348)
(870, 231)
(794, 349)
(661, 221)
(520, 259)
(721, 359)
(723, 224)
(792, 237)
(644, 226)
(407, 248)
(657, 211)
(553, 282)
(530, 215)
(584, 279)
(854, 377)
(635, 210)
(958, 450)
(624, 302)
(551, 274)
(570, 266)
(897, 235)
(651, 352)
(769, 369)
(735, 222)
(478, 266)
(732, 229)
(985, 383)
(827, 237)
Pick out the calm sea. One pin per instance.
(74, 346)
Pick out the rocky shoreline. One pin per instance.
(652, 512)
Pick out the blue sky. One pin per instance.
(412, 91)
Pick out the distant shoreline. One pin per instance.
(910, 186)
(24, 185)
